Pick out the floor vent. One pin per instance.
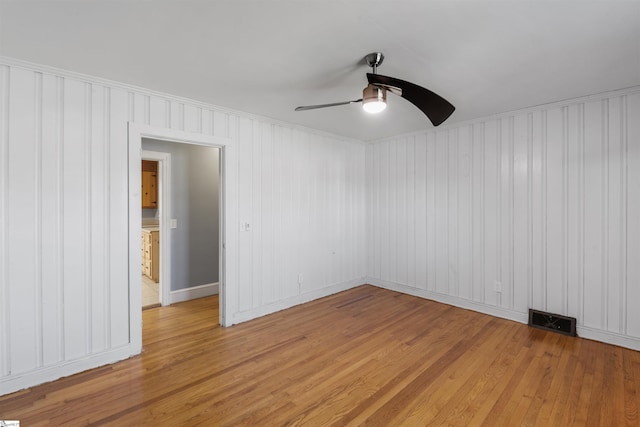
(552, 322)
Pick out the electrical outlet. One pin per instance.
(497, 286)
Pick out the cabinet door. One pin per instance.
(155, 255)
(149, 184)
(143, 257)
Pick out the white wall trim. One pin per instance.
(608, 337)
(63, 369)
(194, 292)
(164, 160)
(244, 316)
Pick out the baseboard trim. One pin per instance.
(609, 337)
(64, 369)
(200, 291)
(302, 298)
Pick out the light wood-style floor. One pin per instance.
(150, 293)
(363, 357)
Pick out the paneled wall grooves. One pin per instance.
(131, 109)
(565, 209)
(251, 165)
(181, 119)
(456, 166)
(581, 202)
(5, 350)
(208, 119)
(273, 254)
(37, 126)
(199, 120)
(60, 83)
(624, 190)
(499, 220)
(147, 109)
(167, 113)
(228, 127)
(107, 223)
(393, 236)
(472, 187)
(605, 214)
(377, 208)
(544, 208)
(427, 210)
(88, 217)
(483, 208)
(414, 226)
(529, 209)
(511, 192)
(448, 209)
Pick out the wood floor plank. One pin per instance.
(366, 356)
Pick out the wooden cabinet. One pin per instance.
(151, 254)
(149, 184)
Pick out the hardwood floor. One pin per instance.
(367, 356)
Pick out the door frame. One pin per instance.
(164, 191)
(228, 254)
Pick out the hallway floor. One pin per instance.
(150, 293)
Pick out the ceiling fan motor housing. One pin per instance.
(374, 99)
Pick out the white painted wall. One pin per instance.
(304, 198)
(64, 212)
(545, 201)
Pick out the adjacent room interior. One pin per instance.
(335, 213)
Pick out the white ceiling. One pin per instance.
(267, 57)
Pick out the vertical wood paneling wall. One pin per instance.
(64, 287)
(303, 196)
(544, 201)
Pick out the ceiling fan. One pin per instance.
(374, 96)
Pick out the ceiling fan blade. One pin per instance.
(435, 107)
(335, 104)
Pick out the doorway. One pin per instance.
(192, 208)
(137, 133)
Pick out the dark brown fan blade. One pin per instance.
(335, 104)
(435, 107)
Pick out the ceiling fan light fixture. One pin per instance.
(374, 99)
(374, 96)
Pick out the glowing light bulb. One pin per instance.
(374, 99)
